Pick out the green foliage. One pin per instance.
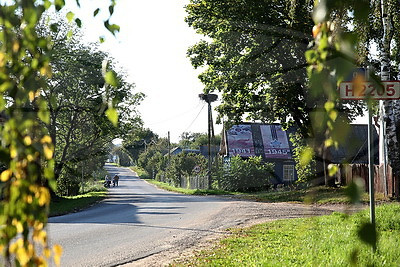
(245, 175)
(137, 140)
(319, 241)
(27, 150)
(355, 190)
(77, 98)
(68, 185)
(140, 172)
(65, 205)
(152, 159)
(182, 165)
(195, 140)
(92, 185)
(255, 56)
(303, 156)
(124, 158)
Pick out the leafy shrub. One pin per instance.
(99, 174)
(92, 186)
(245, 175)
(152, 162)
(305, 168)
(140, 172)
(182, 165)
(68, 185)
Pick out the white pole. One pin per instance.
(385, 76)
(371, 168)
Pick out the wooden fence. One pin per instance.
(349, 172)
(194, 182)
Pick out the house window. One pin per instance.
(288, 173)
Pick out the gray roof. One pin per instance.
(354, 149)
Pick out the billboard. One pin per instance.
(275, 141)
(240, 141)
(266, 140)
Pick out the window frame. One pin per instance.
(288, 173)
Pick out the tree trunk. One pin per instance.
(392, 111)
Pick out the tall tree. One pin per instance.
(195, 140)
(364, 32)
(255, 57)
(137, 140)
(77, 100)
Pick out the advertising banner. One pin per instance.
(276, 145)
(240, 141)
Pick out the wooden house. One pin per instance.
(273, 144)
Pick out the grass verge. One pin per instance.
(317, 195)
(140, 172)
(64, 205)
(189, 191)
(317, 241)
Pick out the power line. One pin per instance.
(204, 104)
(171, 118)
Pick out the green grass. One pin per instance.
(64, 205)
(318, 241)
(140, 172)
(188, 191)
(317, 195)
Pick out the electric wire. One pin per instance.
(204, 104)
(171, 118)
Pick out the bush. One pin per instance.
(245, 175)
(68, 185)
(92, 186)
(182, 165)
(152, 162)
(140, 172)
(305, 169)
(99, 174)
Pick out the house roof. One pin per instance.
(178, 150)
(354, 149)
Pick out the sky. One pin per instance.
(151, 47)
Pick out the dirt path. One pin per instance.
(238, 213)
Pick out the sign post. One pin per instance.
(371, 169)
(356, 90)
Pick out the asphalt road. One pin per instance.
(136, 220)
(140, 225)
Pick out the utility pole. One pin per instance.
(209, 98)
(169, 148)
(83, 183)
(371, 168)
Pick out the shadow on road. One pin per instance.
(136, 203)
